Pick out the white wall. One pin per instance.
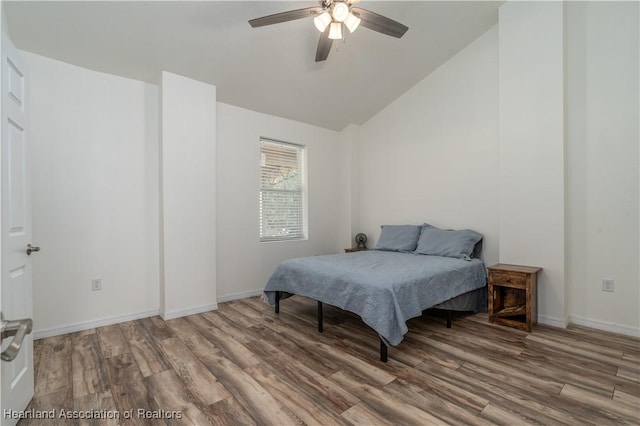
(602, 163)
(91, 179)
(188, 221)
(531, 148)
(351, 141)
(105, 207)
(432, 155)
(245, 264)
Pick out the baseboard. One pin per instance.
(241, 295)
(80, 326)
(552, 321)
(605, 326)
(186, 312)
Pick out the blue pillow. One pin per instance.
(438, 242)
(399, 237)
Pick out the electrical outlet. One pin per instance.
(607, 285)
(96, 284)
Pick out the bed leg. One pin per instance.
(320, 329)
(277, 302)
(383, 351)
(448, 319)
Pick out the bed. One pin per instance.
(391, 284)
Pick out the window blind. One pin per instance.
(282, 197)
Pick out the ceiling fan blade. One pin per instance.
(380, 23)
(324, 46)
(291, 15)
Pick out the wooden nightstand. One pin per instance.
(513, 295)
(355, 249)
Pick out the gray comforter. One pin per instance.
(384, 288)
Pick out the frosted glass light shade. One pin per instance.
(352, 22)
(340, 11)
(321, 21)
(335, 32)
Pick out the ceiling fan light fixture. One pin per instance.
(352, 22)
(340, 11)
(335, 31)
(322, 21)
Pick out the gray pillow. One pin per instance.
(438, 242)
(399, 237)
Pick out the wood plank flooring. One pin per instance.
(245, 365)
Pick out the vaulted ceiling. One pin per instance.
(269, 69)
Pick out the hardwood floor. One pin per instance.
(245, 365)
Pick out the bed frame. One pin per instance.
(383, 346)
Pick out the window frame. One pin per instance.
(303, 217)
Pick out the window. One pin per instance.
(282, 191)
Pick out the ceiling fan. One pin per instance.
(329, 19)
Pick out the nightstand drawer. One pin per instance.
(508, 278)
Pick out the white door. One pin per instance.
(15, 220)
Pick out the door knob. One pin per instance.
(31, 249)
